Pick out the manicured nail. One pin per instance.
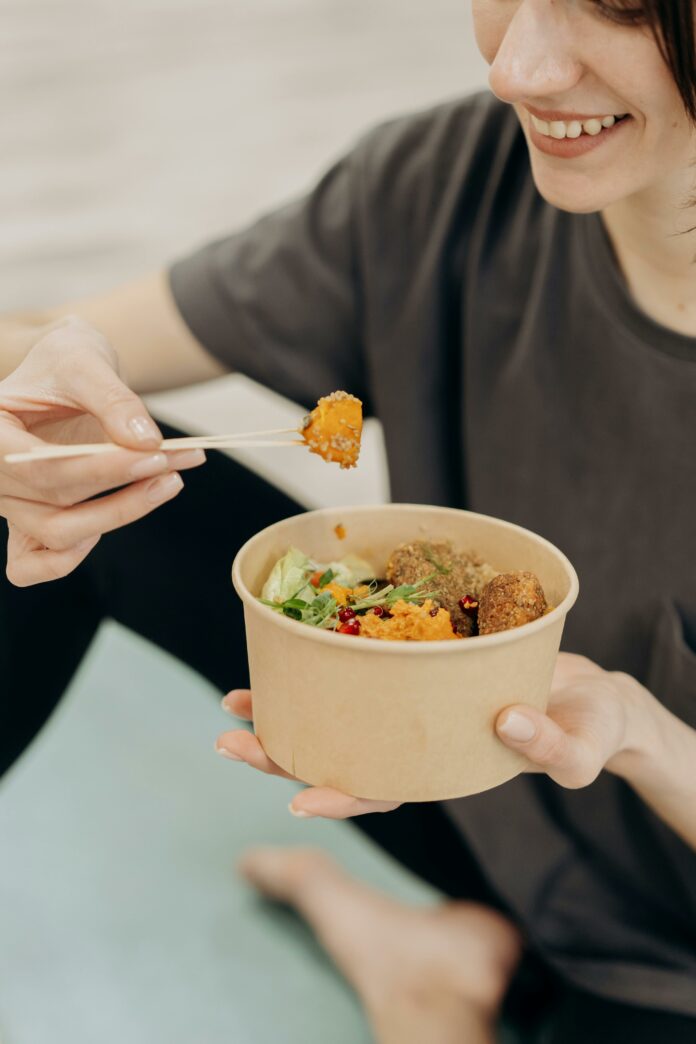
(517, 727)
(186, 459)
(143, 428)
(227, 709)
(163, 488)
(225, 753)
(299, 814)
(153, 465)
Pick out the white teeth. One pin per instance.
(559, 129)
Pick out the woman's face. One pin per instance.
(571, 67)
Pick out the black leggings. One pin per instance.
(167, 578)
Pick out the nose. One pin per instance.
(537, 55)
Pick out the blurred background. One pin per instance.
(132, 131)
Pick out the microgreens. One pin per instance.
(433, 561)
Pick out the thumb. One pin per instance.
(121, 413)
(564, 757)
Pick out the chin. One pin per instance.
(577, 196)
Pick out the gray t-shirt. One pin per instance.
(495, 338)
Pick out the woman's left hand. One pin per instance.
(585, 728)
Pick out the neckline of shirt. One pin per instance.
(609, 285)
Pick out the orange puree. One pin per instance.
(341, 593)
(409, 622)
(334, 427)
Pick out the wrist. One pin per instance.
(642, 748)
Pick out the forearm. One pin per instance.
(659, 760)
(155, 347)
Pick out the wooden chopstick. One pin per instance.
(248, 440)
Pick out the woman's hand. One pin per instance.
(588, 726)
(67, 389)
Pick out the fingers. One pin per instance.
(238, 703)
(61, 529)
(241, 745)
(570, 760)
(332, 804)
(28, 563)
(64, 483)
(244, 746)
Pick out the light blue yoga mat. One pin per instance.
(121, 919)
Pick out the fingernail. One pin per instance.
(143, 428)
(163, 488)
(186, 458)
(227, 709)
(225, 753)
(149, 466)
(517, 727)
(299, 814)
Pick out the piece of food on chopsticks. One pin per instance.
(332, 430)
(435, 594)
(334, 427)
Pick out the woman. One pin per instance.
(507, 282)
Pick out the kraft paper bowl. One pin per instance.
(397, 721)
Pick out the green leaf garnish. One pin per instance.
(326, 578)
(440, 568)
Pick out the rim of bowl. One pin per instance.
(405, 647)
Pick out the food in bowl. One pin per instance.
(431, 592)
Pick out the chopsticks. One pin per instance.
(239, 440)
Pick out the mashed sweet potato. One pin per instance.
(409, 622)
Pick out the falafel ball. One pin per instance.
(510, 600)
(454, 575)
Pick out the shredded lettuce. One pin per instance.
(351, 571)
(289, 578)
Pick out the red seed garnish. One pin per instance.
(350, 627)
(346, 614)
(468, 605)
(378, 611)
(435, 610)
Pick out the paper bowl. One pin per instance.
(397, 721)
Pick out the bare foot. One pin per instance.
(446, 966)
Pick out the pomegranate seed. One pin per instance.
(346, 614)
(351, 626)
(435, 610)
(378, 611)
(468, 605)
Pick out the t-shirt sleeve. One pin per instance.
(279, 300)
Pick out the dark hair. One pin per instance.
(672, 24)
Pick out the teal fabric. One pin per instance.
(121, 918)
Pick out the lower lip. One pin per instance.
(569, 148)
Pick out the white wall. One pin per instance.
(132, 130)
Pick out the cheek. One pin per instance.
(489, 28)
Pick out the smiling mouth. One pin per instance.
(560, 129)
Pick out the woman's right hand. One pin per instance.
(67, 390)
